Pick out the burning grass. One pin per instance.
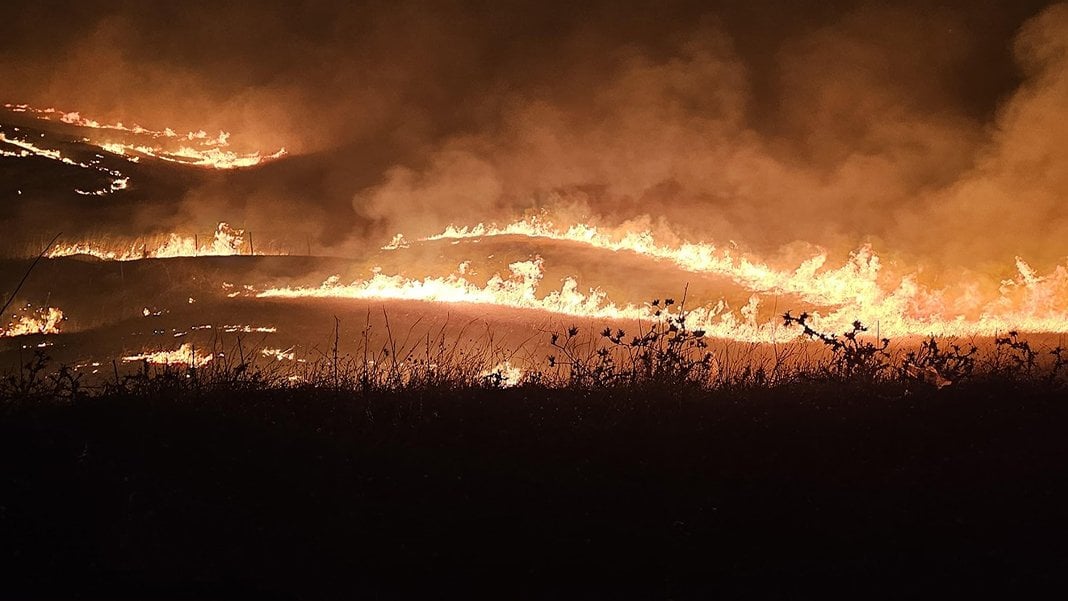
(668, 357)
(198, 149)
(28, 321)
(224, 241)
(631, 465)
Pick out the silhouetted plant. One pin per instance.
(33, 381)
(29, 380)
(66, 383)
(851, 357)
(1060, 360)
(1022, 359)
(665, 357)
(668, 354)
(939, 366)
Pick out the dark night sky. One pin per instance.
(905, 123)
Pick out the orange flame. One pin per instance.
(186, 354)
(226, 241)
(504, 375)
(198, 148)
(858, 289)
(27, 149)
(517, 290)
(46, 321)
(279, 354)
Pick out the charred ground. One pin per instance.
(814, 488)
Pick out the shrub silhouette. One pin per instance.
(940, 366)
(851, 357)
(669, 354)
(667, 357)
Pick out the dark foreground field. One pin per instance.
(806, 490)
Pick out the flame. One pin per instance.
(198, 149)
(398, 241)
(27, 149)
(249, 329)
(225, 241)
(45, 321)
(504, 375)
(215, 158)
(855, 279)
(861, 287)
(517, 290)
(857, 289)
(186, 354)
(279, 354)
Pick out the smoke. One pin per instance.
(1012, 200)
(932, 131)
(872, 139)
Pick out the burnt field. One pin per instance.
(822, 487)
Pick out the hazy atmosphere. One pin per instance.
(931, 129)
(533, 300)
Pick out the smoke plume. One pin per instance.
(933, 131)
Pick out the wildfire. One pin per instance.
(197, 148)
(44, 321)
(230, 329)
(225, 241)
(858, 289)
(855, 279)
(503, 374)
(517, 290)
(28, 149)
(279, 354)
(186, 354)
(215, 158)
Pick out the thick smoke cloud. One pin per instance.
(1013, 197)
(932, 130)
